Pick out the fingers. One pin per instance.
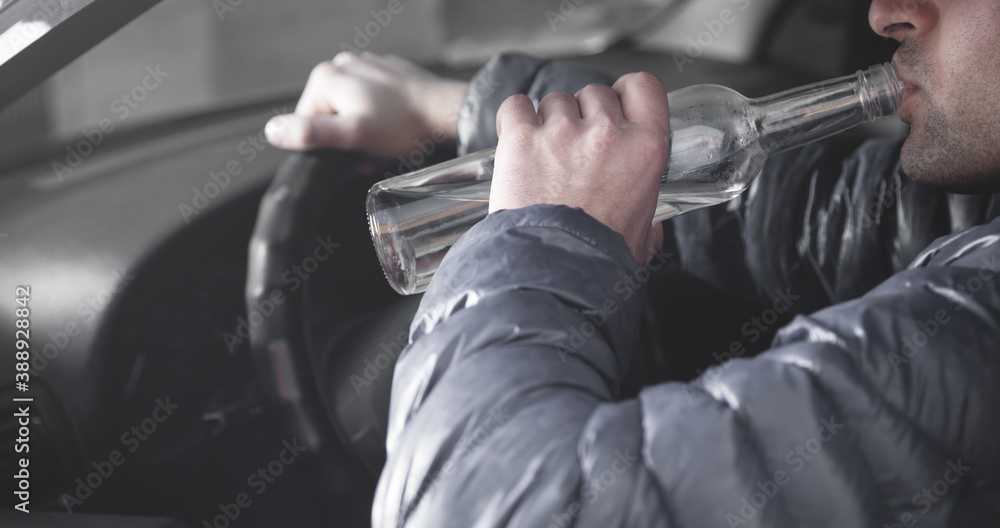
(643, 99)
(315, 96)
(591, 101)
(343, 58)
(516, 111)
(558, 105)
(329, 79)
(597, 99)
(297, 132)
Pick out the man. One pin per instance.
(875, 412)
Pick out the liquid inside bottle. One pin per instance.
(719, 142)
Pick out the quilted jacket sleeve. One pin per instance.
(504, 412)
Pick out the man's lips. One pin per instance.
(910, 90)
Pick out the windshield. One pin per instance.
(189, 57)
(185, 57)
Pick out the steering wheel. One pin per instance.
(297, 366)
(342, 461)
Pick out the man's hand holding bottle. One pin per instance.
(602, 150)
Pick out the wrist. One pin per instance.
(442, 105)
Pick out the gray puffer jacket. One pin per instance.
(879, 411)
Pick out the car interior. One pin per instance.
(170, 386)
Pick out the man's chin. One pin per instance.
(948, 177)
(930, 156)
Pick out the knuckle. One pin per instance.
(593, 89)
(342, 58)
(605, 134)
(556, 94)
(646, 79)
(514, 105)
(322, 70)
(513, 101)
(564, 131)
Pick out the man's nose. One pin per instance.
(898, 19)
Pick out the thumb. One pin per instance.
(298, 132)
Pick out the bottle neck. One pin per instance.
(801, 116)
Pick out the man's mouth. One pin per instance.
(910, 91)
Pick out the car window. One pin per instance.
(185, 57)
(189, 56)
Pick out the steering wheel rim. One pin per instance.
(295, 396)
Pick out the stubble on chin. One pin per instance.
(957, 150)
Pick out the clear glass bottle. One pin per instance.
(719, 142)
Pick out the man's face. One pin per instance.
(949, 56)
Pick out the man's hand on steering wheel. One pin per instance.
(602, 150)
(381, 105)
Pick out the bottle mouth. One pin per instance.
(881, 91)
(390, 251)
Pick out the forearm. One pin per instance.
(512, 350)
